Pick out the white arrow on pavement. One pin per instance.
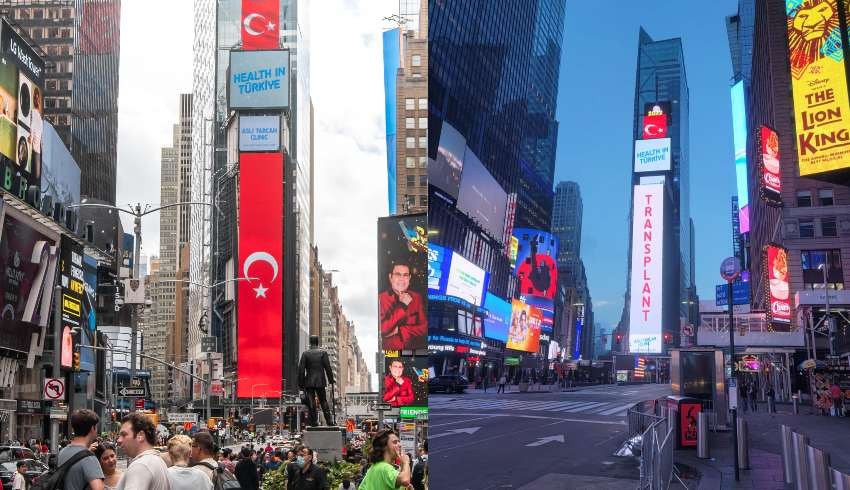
(468, 431)
(546, 440)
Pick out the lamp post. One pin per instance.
(828, 318)
(252, 397)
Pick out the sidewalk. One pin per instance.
(827, 433)
(537, 388)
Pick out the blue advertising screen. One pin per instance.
(439, 262)
(498, 318)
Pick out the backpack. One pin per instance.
(224, 479)
(55, 479)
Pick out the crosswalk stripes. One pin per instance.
(585, 407)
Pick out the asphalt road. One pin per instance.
(537, 441)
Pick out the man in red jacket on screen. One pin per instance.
(398, 390)
(403, 321)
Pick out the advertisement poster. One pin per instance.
(406, 381)
(819, 85)
(646, 279)
(688, 424)
(260, 313)
(481, 197)
(466, 281)
(60, 174)
(444, 172)
(499, 313)
(524, 333)
(655, 120)
(652, 155)
(767, 142)
(259, 133)
(72, 280)
(259, 79)
(260, 24)
(403, 281)
(739, 139)
(778, 292)
(439, 263)
(536, 268)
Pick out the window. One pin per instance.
(410, 142)
(423, 180)
(813, 274)
(423, 123)
(411, 180)
(423, 142)
(423, 201)
(423, 162)
(807, 228)
(409, 162)
(464, 322)
(825, 197)
(409, 104)
(804, 199)
(416, 60)
(827, 227)
(409, 123)
(423, 103)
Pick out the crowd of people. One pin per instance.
(195, 463)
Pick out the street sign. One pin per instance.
(58, 413)
(733, 394)
(413, 412)
(54, 389)
(140, 403)
(209, 344)
(730, 268)
(382, 407)
(132, 392)
(182, 418)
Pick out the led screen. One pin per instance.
(536, 269)
(652, 155)
(467, 281)
(444, 172)
(439, 262)
(739, 138)
(767, 142)
(498, 318)
(655, 120)
(481, 197)
(259, 79)
(646, 277)
(524, 333)
(778, 290)
(405, 381)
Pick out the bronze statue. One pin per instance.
(312, 369)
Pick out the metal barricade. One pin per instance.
(818, 467)
(787, 453)
(840, 481)
(801, 469)
(656, 461)
(808, 467)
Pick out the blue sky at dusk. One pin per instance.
(595, 105)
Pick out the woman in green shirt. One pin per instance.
(383, 475)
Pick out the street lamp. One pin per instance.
(252, 397)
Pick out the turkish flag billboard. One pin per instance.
(260, 24)
(260, 299)
(655, 119)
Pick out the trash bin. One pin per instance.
(702, 436)
(685, 423)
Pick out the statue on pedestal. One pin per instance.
(313, 368)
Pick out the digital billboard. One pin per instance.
(652, 155)
(403, 282)
(466, 281)
(481, 197)
(405, 381)
(260, 312)
(259, 79)
(739, 140)
(778, 290)
(439, 263)
(60, 174)
(656, 120)
(72, 279)
(524, 332)
(259, 133)
(444, 173)
(498, 318)
(767, 144)
(819, 85)
(260, 24)
(536, 269)
(646, 277)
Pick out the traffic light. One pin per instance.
(668, 337)
(619, 338)
(76, 362)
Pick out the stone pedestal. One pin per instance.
(327, 441)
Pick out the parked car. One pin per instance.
(14, 453)
(449, 383)
(34, 470)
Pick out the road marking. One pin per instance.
(468, 431)
(622, 408)
(463, 421)
(590, 407)
(546, 440)
(521, 416)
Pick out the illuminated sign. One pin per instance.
(819, 84)
(259, 79)
(466, 280)
(524, 333)
(536, 269)
(439, 262)
(71, 306)
(498, 318)
(646, 280)
(655, 120)
(739, 138)
(777, 292)
(259, 133)
(767, 143)
(652, 155)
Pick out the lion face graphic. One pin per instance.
(812, 34)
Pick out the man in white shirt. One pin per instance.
(147, 470)
(19, 482)
(203, 454)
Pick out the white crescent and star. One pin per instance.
(246, 23)
(261, 257)
(653, 130)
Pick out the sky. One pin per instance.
(595, 110)
(350, 153)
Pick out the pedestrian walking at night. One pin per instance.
(744, 395)
(771, 400)
(486, 382)
(502, 381)
(754, 397)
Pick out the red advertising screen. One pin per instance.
(688, 424)
(655, 120)
(260, 333)
(771, 183)
(260, 24)
(778, 288)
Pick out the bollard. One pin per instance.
(818, 467)
(743, 445)
(840, 481)
(795, 400)
(801, 468)
(787, 453)
(702, 435)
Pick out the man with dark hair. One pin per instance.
(203, 454)
(246, 472)
(147, 470)
(19, 480)
(87, 471)
(308, 475)
(420, 469)
(402, 312)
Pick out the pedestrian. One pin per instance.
(203, 454)
(382, 475)
(180, 475)
(226, 461)
(837, 402)
(744, 395)
(147, 470)
(486, 382)
(502, 381)
(420, 469)
(246, 472)
(308, 475)
(753, 397)
(86, 472)
(108, 458)
(19, 481)
(347, 484)
(771, 399)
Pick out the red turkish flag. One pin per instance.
(260, 312)
(654, 126)
(260, 24)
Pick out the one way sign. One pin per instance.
(140, 392)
